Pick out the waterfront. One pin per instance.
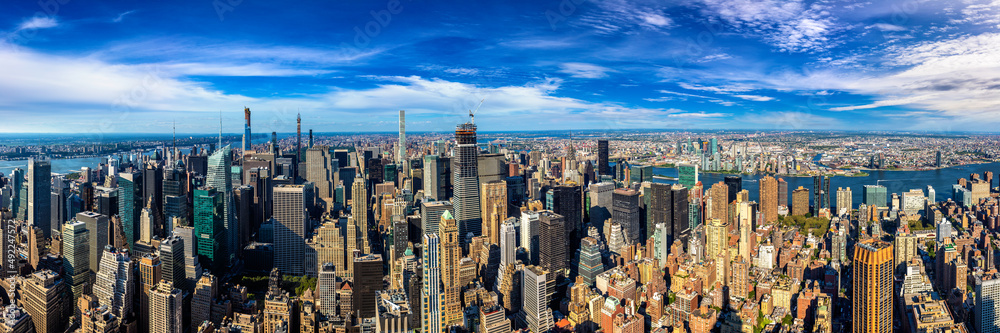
(894, 181)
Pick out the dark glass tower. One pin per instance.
(40, 195)
(129, 196)
(590, 260)
(735, 184)
(602, 158)
(551, 229)
(465, 175)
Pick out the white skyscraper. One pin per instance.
(536, 300)
(987, 304)
(433, 298)
(115, 285)
(291, 212)
(508, 243)
(401, 155)
(943, 230)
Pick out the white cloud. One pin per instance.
(656, 20)
(39, 22)
(791, 26)
(755, 98)
(584, 70)
(887, 27)
(122, 16)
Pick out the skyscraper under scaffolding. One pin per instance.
(466, 183)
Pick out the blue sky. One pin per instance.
(82, 66)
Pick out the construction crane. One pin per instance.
(472, 113)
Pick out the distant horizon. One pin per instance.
(306, 132)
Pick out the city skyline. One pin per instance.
(797, 65)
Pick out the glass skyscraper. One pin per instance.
(208, 210)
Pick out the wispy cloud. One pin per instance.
(584, 71)
(38, 22)
(122, 16)
(790, 26)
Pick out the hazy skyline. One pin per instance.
(569, 64)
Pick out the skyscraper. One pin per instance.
(719, 195)
(247, 138)
(129, 204)
(150, 271)
(39, 195)
(432, 302)
(875, 195)
(172, 259)
(987, 309)
(602, 158)
(551, 230)
(800, 201)
(466, 183)
(734, 185)
(669, 206)
(208, 225)
(566, 200)
(367, 280)
(508, 243)
(430, 215)
(221, 178)
(536, 299)
(97, 226)
(626, 213)
(717, 237)
(291, 213)
(817, 201)
(872, 309)
(321, 171)
(450, 253)
(687, 175)
(494, 205)
(844, 200)
(590, 260)
(76, 256)
(401, 155)
(115, 282)
(769, 198)
(166, 309)
(45, 300)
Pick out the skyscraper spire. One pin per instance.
(247, 139)
(220, 128)
(298, 140)
(173, 156)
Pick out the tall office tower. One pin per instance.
(367, 280)
(321, 171)
(291, 213)
(695, 208)
(537, 314)
(17, 200)
(782, 193)
(687, 175)
(76, 256)
(625, 212)
(769, 198)
(717, 237)
(719, 196)
(221, 178)
(45, 301)
(450, 253)
(817, 194)
(152, 189)
(661, 244)
(875, 195)
(508, 242)
(494, 206)
(147, 222)
(326, 289)
(734, 185)
(247, 138)
(602, 158)
(166, 309)
(601, 196)
(466, 183)
(208, 226)
(150, 270)
(172, 257)
(739, 285)
(175, 196)
(430, 215)
(800, 201)
(552, 246)
(872, 292)
(844, 200)
(114, 286)
(669, 206)
(298, 139)
(39, 195)
(529, 235)
(97, 227)
(202, 298)
(987, 303)
(932, 195)
(360, 208)
(590, 264)
(401, 155)
(826, 193)
(129, 204)
(432, 300)
(566, 200)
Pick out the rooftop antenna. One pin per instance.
(174, 155)
(220, 129)
(472, 113)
